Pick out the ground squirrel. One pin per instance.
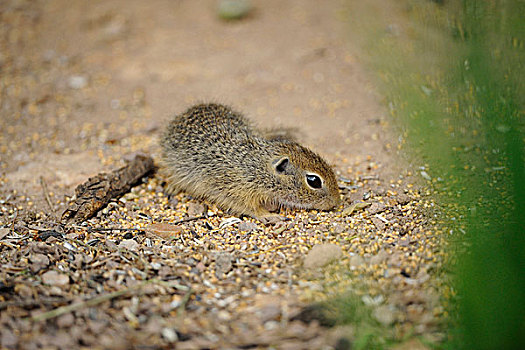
(213, 153)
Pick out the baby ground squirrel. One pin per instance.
(213, 153)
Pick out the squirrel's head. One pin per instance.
(304, 179)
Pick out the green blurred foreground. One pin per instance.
(453, 76)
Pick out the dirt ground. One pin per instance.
(87, 85)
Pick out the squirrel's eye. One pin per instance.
(314, 181)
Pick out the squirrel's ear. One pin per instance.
(281, 165)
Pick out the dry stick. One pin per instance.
(190, 219)
(46, 196)
(14, 218)
(27, 303)
(109, 229)
(100, 299)
(183, 302)
(96, 192)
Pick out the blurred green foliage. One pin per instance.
(453, 75)
(491, 276)
(348, 309)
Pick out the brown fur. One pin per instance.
(213, 153)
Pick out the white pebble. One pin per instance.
(77, 82)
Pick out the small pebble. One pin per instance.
(384, 314)
(54, 278)
(234, 9)
(23, 290)
(77, 82)
(65, 320)
(247, 226)
(356, 261)
(196, 209)
(4, 232)
(322, 254)
(169, 334)
(129, 244)
(425, 176)
(379, 257)
(223, 264)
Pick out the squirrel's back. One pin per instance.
(208, 124)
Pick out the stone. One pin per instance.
(129, 244)
(8, 339)
(342, 336)
(38, 262)
(379, 258)
(234, 9)
(4, 232)
(23, 290)
(356, 261)
(77, 82)
(248, 226)
(200, 266)
(384, 314)
(295, 329)
(267, 307)
(376, 208)
(40, 259)
(379, 224)
(223, 264)
(196, 209)
(169, 334)
(65, 320)
(321, 255)
(55, 278)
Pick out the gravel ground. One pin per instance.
(85, 87)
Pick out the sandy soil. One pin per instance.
(85, 85)
(289, 64)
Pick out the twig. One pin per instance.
(77, 306)
(100, 299)
(79, 242)
(26, 303)
(46, 196)
(369, 177)
(172, 285)
(39, 229)
(109, 229)
(10, 245)
(184, 301)
(97, 192)
(190, 219)
(14, 218)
